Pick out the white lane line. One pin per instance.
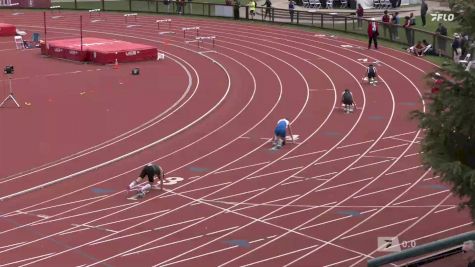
(446, 209)
(328, 205)
(429, 195)
(272, 236)
(194, 177)
(147, 231)
(94, 227)
(196, 189)
(243, 193)
(80, 214)
(264, 204)
(338, 263)
(413, 154)
(332, 160)
(407, 169)
(443, 231)
(271, 173)
(321, 175)
(222, 230)
(244, 137)
(201, 255)
(381, 227)
(279, 256)
(325, 222)
(11, 245)
(302, 155)
(386, 148)
(382, 190)
(64, 204)
(404, 140)
(164, 245)
(132, 218)
(291, 182)
(369, 164)
(32, 258)
(391, 136)
(243, 167)
(382, 157)
(334, 220)
(430, 178)
(355, 144)
(340, 185)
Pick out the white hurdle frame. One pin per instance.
(201, 39)
(169, 21)
(197, 28)
(126, 16)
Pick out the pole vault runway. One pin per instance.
(206, 114)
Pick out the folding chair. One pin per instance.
(315, 4)
(19, 42)
(306, 3)
(385, 4)
(343, 4)
(329, 3)
(465, 61)
(377, 3)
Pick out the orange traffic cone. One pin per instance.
(116, 64)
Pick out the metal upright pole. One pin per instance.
(44, 23)
(80, 27)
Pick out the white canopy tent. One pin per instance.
(366, 4)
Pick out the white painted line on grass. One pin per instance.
(382, 190)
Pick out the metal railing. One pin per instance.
(311, 18)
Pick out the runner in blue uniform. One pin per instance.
(281, 131)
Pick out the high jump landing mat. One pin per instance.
(98, 50)
(7, 29)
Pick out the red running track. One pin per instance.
(206, 115)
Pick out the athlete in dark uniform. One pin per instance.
(151, 171)
(372, 74)
(347, 101)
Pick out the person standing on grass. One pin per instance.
(151, 171)
(407, 28)
(291, 10)
(385, 19)
(252, 8)
(424, 9)
(268, 5)
(359, 16)
(394, 27)
(441, 31)
(373, 33)
(457, 48)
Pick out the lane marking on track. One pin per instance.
(382, 190)
(279, 256)
(413, 154)
(328, 205)
(143, 232)
(446, 209)
(355, 144)
(429, 195)
(196, 189)
(370, 164)
(23, 260)
(263, 204)
(317, 177)
(292, 182)
(404, 140)
(430, 178)
(94, 227)
(406, 133)
(334, 220)
(302, 155)
(340, 185)
(239, 194)
(60, 205)
(242, 167)
(386, 148)
(272, 173)
(407, 169)
(377, 228)
(332, 160)
(339, 262)
(11, 245)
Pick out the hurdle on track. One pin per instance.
(169, 21)
(201, 39)
(127, 16)
(55, 8)
(94, 12)
(191, 29)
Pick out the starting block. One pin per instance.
(169, 21)
(191, 29)
(137, 194)
(127, 16)
(160, 56)
(200, 39)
